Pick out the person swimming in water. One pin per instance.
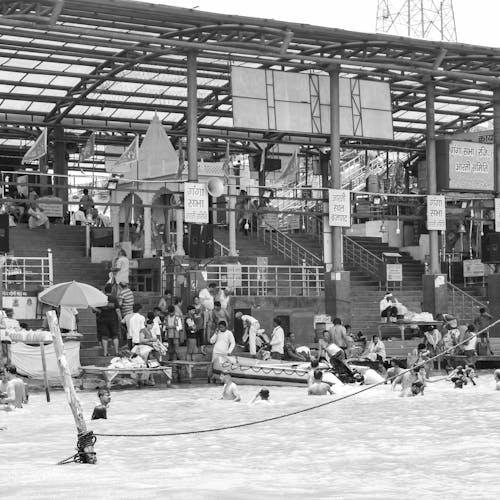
(318, 387)
(230, 390)
(412, 382)
(101, 410)
(262, 397)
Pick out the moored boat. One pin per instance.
(253, 371)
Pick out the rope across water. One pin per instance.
(296, 412)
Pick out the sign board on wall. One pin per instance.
(394, 272)
(195, 203)
(233, 275)
(465, 166)
(51, 205)
(272, 219)
(473, 268)
(339, 207)
(436, 213)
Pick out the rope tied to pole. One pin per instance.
(304, 410)
(85, 453)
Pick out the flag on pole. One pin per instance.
(38, 149)
(226, 166)
(182, 160)
(130, 156)
(290, 170)
(88, 150)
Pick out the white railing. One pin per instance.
(364, 260)
(268, 281)
(220, 249)
(463, 306)
(27, 273)
(283, 245)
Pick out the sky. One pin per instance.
(476, 20)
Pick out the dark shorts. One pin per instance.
(107, 330)
(276, 355)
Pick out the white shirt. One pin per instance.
(67, 318)
(135, 324)
(223, 343)
(80, 216)
(206, 299)
(471, 345)
(249, 320)
(278, 340)
(122, 264)
(385, 303)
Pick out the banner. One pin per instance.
(339, 207)
(38, 149)
(195, 203)
(436, 213)
(129, 157)
(88, 150)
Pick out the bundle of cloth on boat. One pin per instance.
(28, 359)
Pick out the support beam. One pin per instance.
(60, 163)
(496, 137)
(431, 172)
(147, 232)
(192, 118)
(232, 215)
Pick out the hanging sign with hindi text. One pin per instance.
(195, 203)
(339, 207)
(436, 213)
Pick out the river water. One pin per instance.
(443, 445)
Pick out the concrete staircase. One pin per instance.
(69, 263)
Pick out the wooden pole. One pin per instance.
(85, 443)
(44, 366)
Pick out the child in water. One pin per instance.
(101, 410)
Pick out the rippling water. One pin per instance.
(374, 445)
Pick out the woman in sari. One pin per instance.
(37, 218)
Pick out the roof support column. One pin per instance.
(337, 281)
(192, 117)
(60, 163)
(496, 137)
(434, 264)
(435, 289)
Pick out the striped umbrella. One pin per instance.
(73, 294)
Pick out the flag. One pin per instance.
(226, 166)
(180, 168)
(88, 150)
(130, 156)
(290, 170)
(38, 149)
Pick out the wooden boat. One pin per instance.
(253, 371)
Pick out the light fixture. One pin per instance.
(461, 228)
(112, 184)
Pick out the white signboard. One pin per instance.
(473, 268)
(394, 272)
(436, 213)
(195, 203)
(272, 219)
(51, 205)
(339, 207)
(471, 166)
(497, 215)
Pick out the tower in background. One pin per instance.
(429, 19)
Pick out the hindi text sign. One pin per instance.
(339, 207)
(436, 213)
(195, 203)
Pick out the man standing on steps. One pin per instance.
(125, 301)
(251, 327)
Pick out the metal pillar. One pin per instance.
(192, 117)
(232, 215)
(434, 264)
(147, 232)
(335, 161)
(179, 232)
(60, 163)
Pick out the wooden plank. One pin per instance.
(44, 366)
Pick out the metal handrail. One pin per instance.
(358, 256)
(463, 305)
(287, 247)
(220, 249)
(268, 281)
(25, 273)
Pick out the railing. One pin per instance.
(27, 273)
(358, 256)
(283, 245)
(220, 249)
(268, 281)
(462, 305)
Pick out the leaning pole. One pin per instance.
(85, 439)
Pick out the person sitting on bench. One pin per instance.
(388, 309)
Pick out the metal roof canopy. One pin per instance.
(107, 66)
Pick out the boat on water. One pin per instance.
(253, 371)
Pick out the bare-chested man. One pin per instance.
(230, 390)
(318, 387)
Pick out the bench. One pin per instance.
(187, 366)
(110, 374)
(478, 361)
(401, 326)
